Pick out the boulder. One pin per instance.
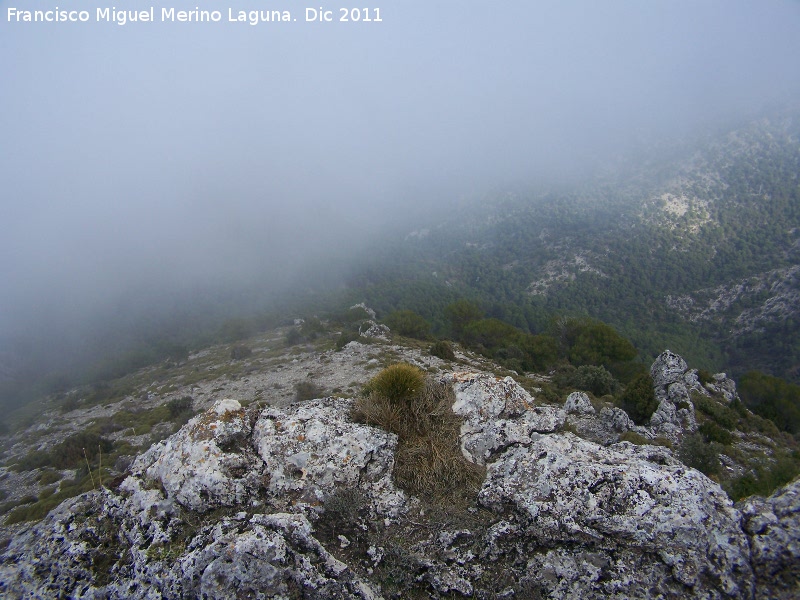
(773, 525)
(497, 413)
(580, 498)
(578, 403)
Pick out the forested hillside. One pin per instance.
(698, 252)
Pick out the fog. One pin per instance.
(149, 159)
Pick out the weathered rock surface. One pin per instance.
(578, 403)
(673, 381)
(774, 527)
(624, 497)
(238, 503)
(498, 413)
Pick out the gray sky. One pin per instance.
(141, 157)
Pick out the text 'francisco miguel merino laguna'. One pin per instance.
(171, 15)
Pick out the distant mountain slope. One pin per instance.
(699, 252)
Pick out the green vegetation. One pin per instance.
(397, 383)
(773, 399)
(765, 480)
(639, 400)
(307, 390)
(240, 352)
(699, 454)
(409, 324)
(443, 349)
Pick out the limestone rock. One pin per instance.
(208, 463)
(668, 368)
(310, 449)
(673, 382)
(498, 413)
(578, 403)
(774, 527)
(371, 329)
(632, 498)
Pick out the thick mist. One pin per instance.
(151, 161)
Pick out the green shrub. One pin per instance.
(595, 379)
(293, 337)
(79, 447)
(408, 323)
(714, 433)
(723, 415)
(766, 480)
(460, 314)
(240, 351)
(443, 349)
(596, 343)
(345, 338)
(307, 390)
(640, 440)
(704, 376)
(772, 398)
(695, 452)
(180, 406)
(634, 438)
(639, 399)
(397, 383)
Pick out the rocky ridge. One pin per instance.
(298, 501)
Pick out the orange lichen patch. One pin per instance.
(301, 438)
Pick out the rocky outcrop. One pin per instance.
(634, 500)
(498, 413)
(774, 527)
(673, 381)
(299, 502)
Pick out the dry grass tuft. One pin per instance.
(428, 462)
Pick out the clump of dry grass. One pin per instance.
(428, 462)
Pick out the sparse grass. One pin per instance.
(307, 390)
(39, 507)
(428, 462)
(640, 440)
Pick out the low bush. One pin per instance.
(409, 324)
(179, 407)
(307, 390)
(695, 452)
(640, 440)
(397, 383)
(443, 349)
(722, 415)
(714, 433)
(765, 480)
(639, 399)
(428, 461)
(596, 380)
(240, 351)
(345, 338)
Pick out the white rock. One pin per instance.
(578, 403)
